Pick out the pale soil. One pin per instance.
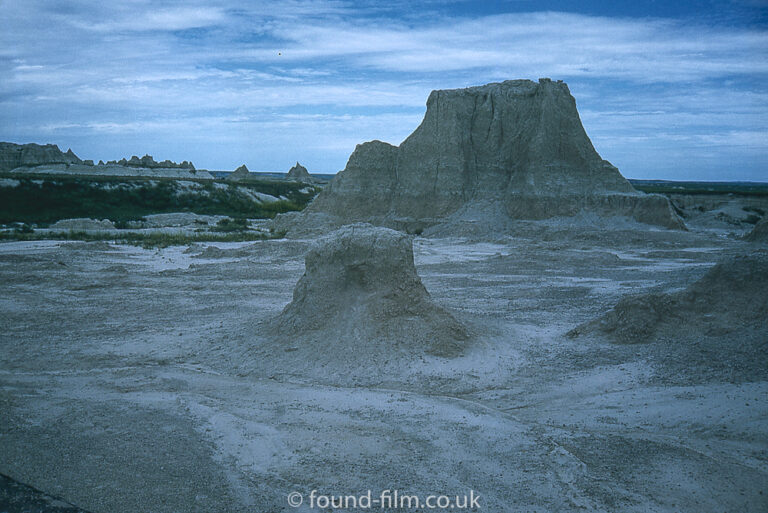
(131, 380)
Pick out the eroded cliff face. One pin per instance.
(513, 137)
(518, 142)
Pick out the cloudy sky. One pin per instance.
(672, 90)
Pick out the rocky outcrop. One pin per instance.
(13, 155)
(148, 162)
(517, 143)
(360, 299)
(299, 173)
(241, 173)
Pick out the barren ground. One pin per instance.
(132, 380)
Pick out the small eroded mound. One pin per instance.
(360, 302)
(729, 297)
(760, 232)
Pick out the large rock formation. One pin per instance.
(518, 144)
(241, 173)
(299, 173)
(360, 301)
(13, 155)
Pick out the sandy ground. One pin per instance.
(133, 380)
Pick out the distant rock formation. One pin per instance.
(241, 173)
(148, 162)
(760, 232)
(19, 155)
(48, 159)
(518, 144)
(360, 300)
(299, 173)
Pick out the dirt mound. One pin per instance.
(517, 143)
(360, 299)
(760, 232)
(729, 297)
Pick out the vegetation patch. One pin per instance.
(146, 240)
(667, 187)
(228, 225)
(47, 200)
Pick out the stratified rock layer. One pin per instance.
(518, 143)
(361, 301)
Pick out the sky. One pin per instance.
(666, 90)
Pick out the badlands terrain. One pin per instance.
(135, 380)
(609, 354)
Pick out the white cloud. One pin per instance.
(565, 45)
(151, 18)
(333, 74)
(181, 18)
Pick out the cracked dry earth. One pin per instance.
(131, 380)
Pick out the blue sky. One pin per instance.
(670, 90)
